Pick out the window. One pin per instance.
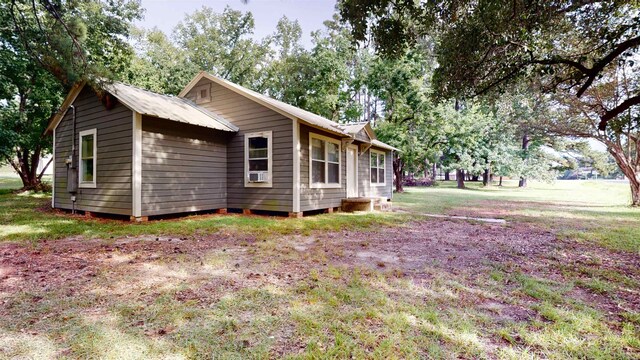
(88, 155)
(258, 159)
(377, 168)
(325, 161)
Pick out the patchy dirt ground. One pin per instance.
(206, 269)
(418, 251)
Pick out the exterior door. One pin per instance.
(352, 171)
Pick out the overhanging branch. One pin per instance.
(610, 114)
(600, 65)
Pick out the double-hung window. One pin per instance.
(88, 155)
(377, 168)
(258, 159)
(325, 161)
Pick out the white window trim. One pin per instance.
(88, 184)
(384, 180)
(325, 185)
(269, 136)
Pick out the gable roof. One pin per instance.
(353, 129)
(152, 104)
(278, 106)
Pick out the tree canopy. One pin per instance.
(46, 47)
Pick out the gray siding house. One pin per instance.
(216, 146)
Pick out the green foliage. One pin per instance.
(44, 49)
(160, 65)
(221, 44)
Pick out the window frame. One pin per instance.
(326, 161)
(384, 156)
(269, 136)
(88, 184)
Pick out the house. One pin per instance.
(217, 145)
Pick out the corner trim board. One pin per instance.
(53, 170)
(296, 166)
(136, 176)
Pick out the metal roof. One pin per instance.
(354, 128)
(167, 107)
(380, 144)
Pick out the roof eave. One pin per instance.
(68, 101)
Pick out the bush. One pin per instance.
(410, 180)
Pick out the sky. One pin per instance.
(165, 14)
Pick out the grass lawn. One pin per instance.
(559, 280)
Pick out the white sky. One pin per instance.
(165, 14)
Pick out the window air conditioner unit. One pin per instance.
(258, 176)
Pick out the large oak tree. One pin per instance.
(486, 46)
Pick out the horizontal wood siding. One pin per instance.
(365, 189)
(112, 194)
(322, 198)
(184, 167)
(250, 117)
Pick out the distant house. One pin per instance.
(217, 145)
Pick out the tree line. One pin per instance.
(488, 97)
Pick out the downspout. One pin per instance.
(74, 163)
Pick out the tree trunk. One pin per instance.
(460, 178)
(397, 171)
(525, 151)
(434, 171)
(486, 177)
(447, 177)
(500, 184)
(635, 193)
(426, 168)
(27, 168)
(475, 178)
(523, 182)
(629, 169)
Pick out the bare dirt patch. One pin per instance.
(206, 269)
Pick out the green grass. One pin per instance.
(591, 211)
(27, 217)
(204, 304)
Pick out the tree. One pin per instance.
(484, 45)
(288, 72)
(159, 65)
(574, 48)
(30, 96)
(621, 137)
(408, 116)
(45, 47)
(221, 43)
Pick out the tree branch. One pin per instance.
(45, 168)
(599, 66)
(610, 114)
